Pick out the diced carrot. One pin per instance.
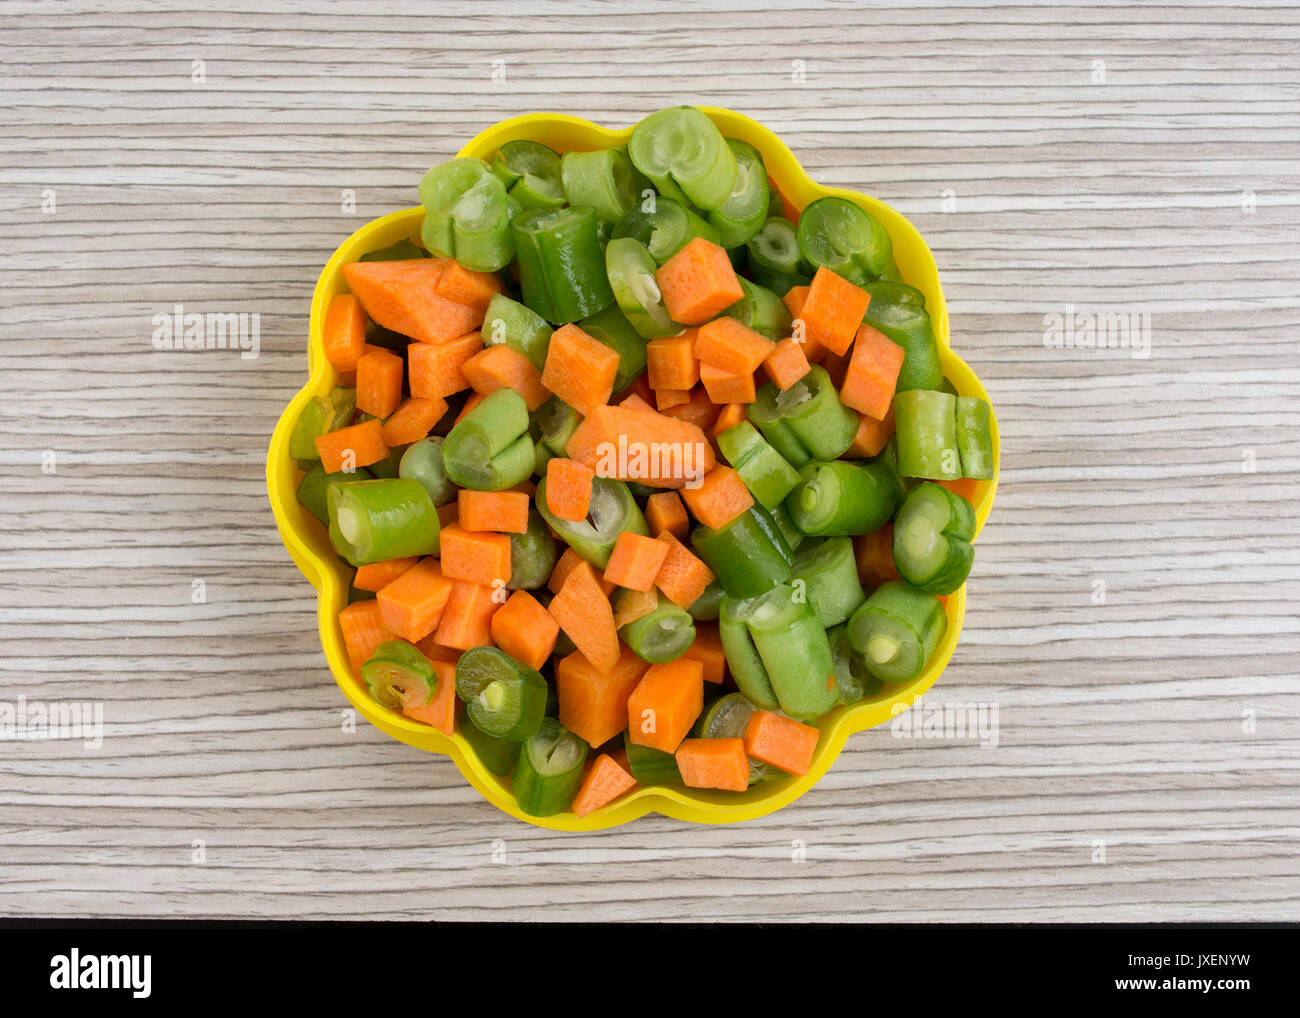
(379, 381)
(467, 620)
(700, 411)
(794, 298)
(665, 703)
(698, 282)
(412, 421)
(635, 401)
(475, 556)
(731, 346)
(634, 604)
(435, 368)
(664, 512)
(448, 513)
(503, 367)
(833, 310)
(441, 713)
(661, 452)
(714, 763)
(564, 565)
(635, 561)
(874, 553)
(872, 436)
(412, 604)
(786, 364)
(707, 650)
(568, 488)
(344, 335)
(528, 486)
(604, 782)
(471, 401)
(524, 629)
(402, 296)
(579, 369)
(665, 398)
(683, 576)
(966, 487)
(363, 629)
(583, 611)
(794, 301)
(725, 386)
(780, 742)
(358, 445)
(869, 382)
(504, 512)
(720, 498)
(671, 362)
(593, 701)
(466, 286)
(731, 415)
(378, 575)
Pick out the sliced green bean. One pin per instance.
(664, 226)
(685, 156)
(776, 248)
(466, 215)
(532, 554)
(896, 630)
(549, 770)
(827, 573)
(663, 634)
(845, 238)
(932, 535)
(373, 521)
(605, 179)
(509, 323)
(843, 497)
(313, 489)
(490, 449)
(561, 264)
(744, 211)
(422, 461)
(531, 174)
(631, 272)
(397, 675)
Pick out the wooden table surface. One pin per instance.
(1132, 610)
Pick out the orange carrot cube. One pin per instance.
(579, 369)
(780, 742)
(714, 763)
(665, 703)
(481, 558)
(833, 310)
(635, 561)
(698, 282)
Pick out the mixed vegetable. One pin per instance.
(625, 428)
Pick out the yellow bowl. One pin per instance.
(310, 548)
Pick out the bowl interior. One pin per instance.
(310, 548)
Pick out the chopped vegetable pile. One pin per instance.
(641, 470)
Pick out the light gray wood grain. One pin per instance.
(1161, 723)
